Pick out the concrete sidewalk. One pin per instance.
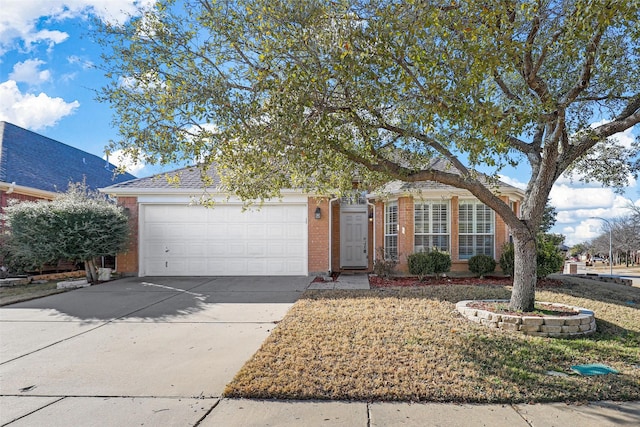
(159, 352)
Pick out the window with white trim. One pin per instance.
(476, 229)
(431, 226)
(391, 230)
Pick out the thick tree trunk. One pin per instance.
(524, 272)
(91, 271)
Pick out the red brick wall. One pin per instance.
(405, 232)
(318, 241)
(127, 262)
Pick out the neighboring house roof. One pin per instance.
(31, 160)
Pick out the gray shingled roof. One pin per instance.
(189, 178)
(185, 178)
(33, 160)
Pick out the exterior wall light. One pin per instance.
(318, 213)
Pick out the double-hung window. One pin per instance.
(431, 226)
(476, 229)
(391, 230)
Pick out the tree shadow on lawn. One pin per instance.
(527, 368)
(612, 293)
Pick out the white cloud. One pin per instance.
(582, 226)
(29, 72)
(84, 63)
(564, 197)
(120, 159)
(513, 181)
(32, 111)
(21, 18)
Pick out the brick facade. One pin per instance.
(318, 235)
(127, 262)
(318, 238)
(406, 232)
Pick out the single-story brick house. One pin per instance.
(299, 234)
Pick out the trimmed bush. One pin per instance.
(482, 264)
(424, 263)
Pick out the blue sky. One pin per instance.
(48, 78)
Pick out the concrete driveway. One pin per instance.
(152, 351)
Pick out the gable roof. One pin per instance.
(32, 160)
(187, 178)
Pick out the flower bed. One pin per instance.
(558, 325)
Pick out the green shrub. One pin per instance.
(434, 262)
(418, 264)
(482, 264)
(507, 259)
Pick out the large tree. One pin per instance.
(310, 93)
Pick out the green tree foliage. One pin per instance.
(548, 218)
(482, 264)
(77, 225)
(309, 94)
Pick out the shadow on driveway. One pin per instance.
(163, 298)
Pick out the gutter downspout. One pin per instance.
(331, 231)
(373, 246)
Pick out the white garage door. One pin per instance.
(182, 240)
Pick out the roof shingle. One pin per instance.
(33, 160)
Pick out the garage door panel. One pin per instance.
(197, 249)
(256, 231)
(296, 231)
(237, 231)
(224, 240)
(275, 231)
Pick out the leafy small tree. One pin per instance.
(78, 225)
(482, 264)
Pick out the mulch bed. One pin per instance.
(379, 282)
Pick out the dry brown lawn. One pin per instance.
(411, 345)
